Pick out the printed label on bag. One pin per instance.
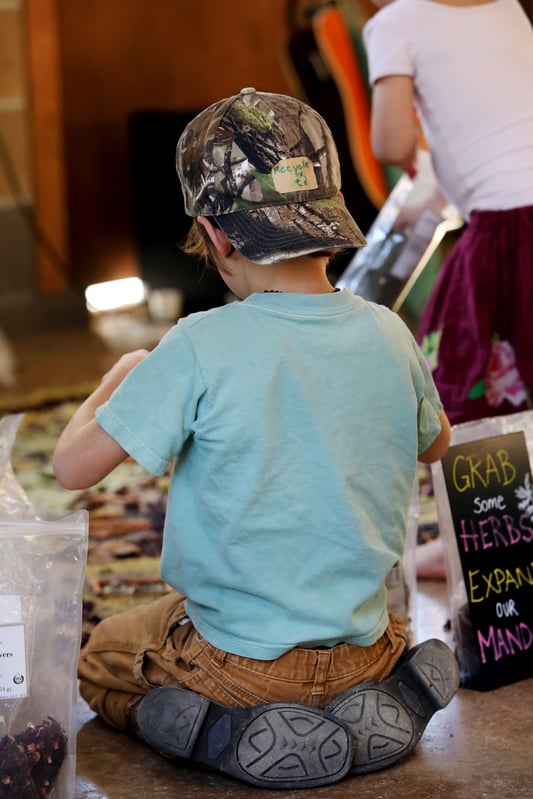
(13, 673)
(10, 609)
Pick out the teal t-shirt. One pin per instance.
(294, 422)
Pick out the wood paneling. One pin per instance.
(15, 181)
(117, 57)
(11, 53)
(48, 152)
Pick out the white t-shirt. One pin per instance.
(472, 69)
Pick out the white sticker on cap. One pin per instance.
(294, 174)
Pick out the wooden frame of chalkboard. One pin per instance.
(484, 496)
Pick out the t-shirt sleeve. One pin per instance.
(425, 394)
(429, 405)
(152, 412)
(387, 49)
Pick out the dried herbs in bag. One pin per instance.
(41, 597)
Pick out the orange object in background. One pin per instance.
(338, 50)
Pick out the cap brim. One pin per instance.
(276, 233)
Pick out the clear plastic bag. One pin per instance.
(42, 566)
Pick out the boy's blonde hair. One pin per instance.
(198, 244)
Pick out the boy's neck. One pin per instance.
(297, 286)
(303, 275)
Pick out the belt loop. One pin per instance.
(321, 670)
(388, 636)
(218, 656)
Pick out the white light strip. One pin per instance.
(113, 295)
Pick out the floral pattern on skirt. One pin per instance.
(477, 328)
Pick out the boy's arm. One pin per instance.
(85, 453)
(394, 129)
(440, 445)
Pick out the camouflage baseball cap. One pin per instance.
(266, 166)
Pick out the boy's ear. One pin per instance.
(217, 236)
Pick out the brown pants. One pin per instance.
(131, 653)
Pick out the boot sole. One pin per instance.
(389, 717)
(280, 745)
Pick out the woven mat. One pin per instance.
(126, 512)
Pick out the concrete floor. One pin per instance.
(479, 747)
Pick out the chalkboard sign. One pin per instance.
(490, 492)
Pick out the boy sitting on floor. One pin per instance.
(295, 419)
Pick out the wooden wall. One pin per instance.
(16, 242)
(91, 66)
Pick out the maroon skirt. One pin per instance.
(477, 328)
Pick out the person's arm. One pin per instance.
(440, 445)
(85, 453)
(394, 130)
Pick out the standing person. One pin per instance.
(466, 66)
(294, 420)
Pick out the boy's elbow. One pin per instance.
(63, 476)
(440, 445)
(66, 474)
(79, 463)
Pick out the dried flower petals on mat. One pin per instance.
(30, 761)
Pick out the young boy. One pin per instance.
(294, 419)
